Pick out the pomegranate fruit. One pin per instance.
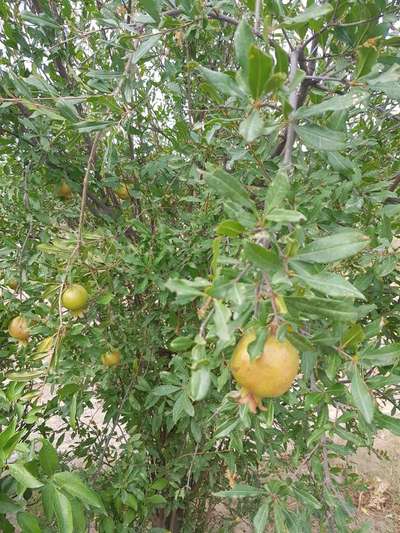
(122, 191)
(64, 191)
(75, 297)
(12, 284)
(112, 358)
(268, 375)
(19, 329)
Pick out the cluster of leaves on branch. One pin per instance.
(200, 169)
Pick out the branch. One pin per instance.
(216, 15)
(328, 78)
(395, 183)
(290, 135)
(257, 16)
(90, 162)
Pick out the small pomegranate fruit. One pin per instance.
(12, 284)
(19, 329)
(64, 191)
(268, 375)
(112, 358)
(122, 191)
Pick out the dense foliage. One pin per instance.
(199, 168)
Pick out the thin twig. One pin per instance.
(287, 39)
(189, 474)
(339, 25)
(106, 442)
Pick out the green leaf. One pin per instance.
(63, 510)
(28, 523)
(338, 162)
(316, 307)
(105, 298)
(277, 191)
(24, 477)
(186, 289)
(78, 516)
(222, 82)
(41, 20)
(282, 59)
(260, 70)
(181, 344)
(87, 126)
(353, 336)
(144, 47)
(230, 228)
(48, 501)
(274, 83)
(327, 283)
(260, 520)
(300, 341)
(255, 348)
(221, 319)
(306, 498)
(156, 499)
(285, 215)
(387, 422)
(25, 376)
(333, 248)
(242, 41)
(322, 139)
(279, 518)
(182, 405)
(48, 458)
(73, 484)
(67, 110)
(383, 356)
(159, 484)
(251, 127)
(152, 7)
(165, 390)
(361, 396)
(366, 59)
(228, 187)
(200, 381)
(7, 505)
(262, 258)
(239, 491)
(316, 435)
(336, 103)
(314, 12)
(226, 429)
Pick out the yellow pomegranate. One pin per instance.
(64, 191)
(19, 329)
(75, 298)
(268, 375)
(122, 191)
(112, 358)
